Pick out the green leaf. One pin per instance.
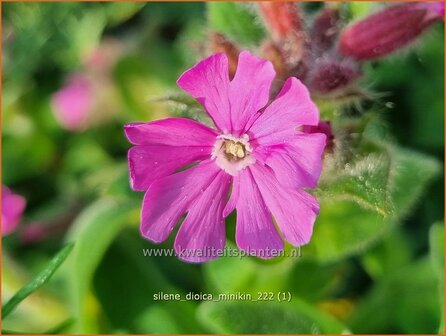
(118, 12)
(82, 33)
(41, 32)
(361, 203)
(230, 274)
(410, 174)
(388, 182)
(410, 99)
(10, 332)
(247, 274)
(312, 281)
(131, 80)
(194, 33)
(344, 228)
(389, 255)
(42, 278)
(246, 317)
(436, 237)
(159, 320)
(141, 314)
(112, 180)
(76, 163)
(60, 328)
(38, 159)
(426, 130)
(93, 231)
(141, 79)
(360, 9)
(364, 182)
(53, 331)
(403, 302)
(236, 21)
(30, 315)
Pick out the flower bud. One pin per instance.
(272, 52)
(329, 77)
(281, 18)
(285, 25)
(389, 30)
(325, 29)
(219, 43)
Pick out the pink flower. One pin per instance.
(256, 147)
(13, 206)
(73, 103)
(389, 30)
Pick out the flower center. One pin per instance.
(234, 150)
(232, 154)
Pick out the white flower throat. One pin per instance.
(232, 154)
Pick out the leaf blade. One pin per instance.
(236, 21)
(93, 231)
(42, 278)
(247, 317)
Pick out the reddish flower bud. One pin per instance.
(389, 30)
(285, 25)
(272, 52)
(219, 43)
(325, 29)
(332, 77)
(281, 18)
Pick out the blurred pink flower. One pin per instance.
(389, 30)
(13, 206)
(255, 146)
(34, 233)
(103, 58)
(72, 104)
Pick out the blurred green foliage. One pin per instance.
(375, 263)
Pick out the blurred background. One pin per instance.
(74, 73)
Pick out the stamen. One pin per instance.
(232, 154)
(234, 150)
